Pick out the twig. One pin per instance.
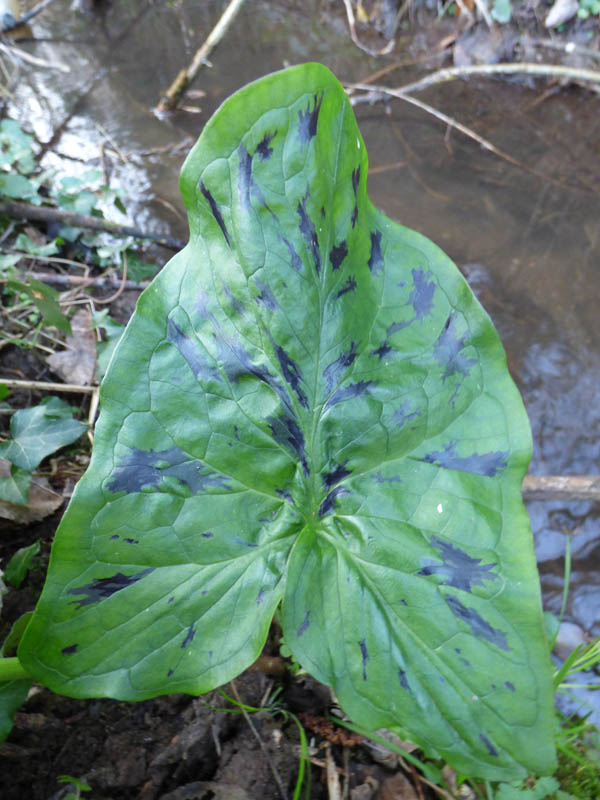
(375, 93)
(257, 736)
(46, 386)
(71, 281)
(47, 214)
(176, 90)
(16, 23)
(120, 289)
(485, 12)
(94, 402)
(401, 94)
(334, 790)
(354, 36)
(561, 487)
(16, 52)
(452, 73)
(568, 47)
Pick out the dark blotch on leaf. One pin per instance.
(447, 350)
(264, 150)
(101, 588)
(215, 211)
(365, 657)
(355, 184)
(328, 504)
(207, 535)
(247, 185)
(288, 433)
(309, 232)
(347, 392)
(336, 475)
(479, 626)
(169, 673)
(333, 372)
(510, 686)
(489, 464)
(189, 636)
(305, 623)
(296, 260)
(191, 352)
(458, 569)
(403, 681)
(266, 297)
(261, 596)
(402, 415)
(309, 119)
(338, 254)
(141, 468)
(349, 286)
(421, 297)
(245, 180)
(383, 350)
(68, 651)
(376, 258)
(379, 477)
(489, 746)
(291, 373)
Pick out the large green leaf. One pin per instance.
(308, 406)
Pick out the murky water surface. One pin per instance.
(527, 238)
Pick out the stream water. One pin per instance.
(527, 237)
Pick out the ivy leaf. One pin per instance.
(16, 147)
(12, 695)
(14, 483)
(20, 564)
(36, 432)
(45, 299)
(309, 407)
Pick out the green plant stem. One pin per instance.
(11, 670)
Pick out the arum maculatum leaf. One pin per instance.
(308, 407)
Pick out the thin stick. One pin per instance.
(257, 736)
(374, 93)
(452, 73)
(46, 214)
(119, 290)
(453, 123)
(71, 281)
(354, 36)
(46, 386)
(94, 402)
(16, 52)
(26, 17)
(561, 487)
(176, 90)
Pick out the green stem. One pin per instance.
(11, 670)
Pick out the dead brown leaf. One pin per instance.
(42, 502)
(77, 364)
(396, 787)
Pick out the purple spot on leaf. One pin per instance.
(365, 657)
(479, 626)
(305, 623)
(376, 258)
(458, 568)
(309, 119)
(188, 637)
(489, 746)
